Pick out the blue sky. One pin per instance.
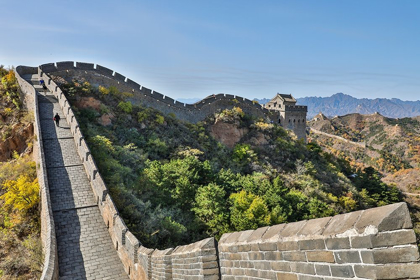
(187, 49)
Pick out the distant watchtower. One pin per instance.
(291, 116)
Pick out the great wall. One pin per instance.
(84, 236)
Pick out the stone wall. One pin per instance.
(99, 75)
(361, 145)
(378, 243)
(48, 238)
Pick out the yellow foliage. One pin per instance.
(103, 90)
(8, 111)
(263, 125)
(9, 80)
(348, 202)
(22, 194)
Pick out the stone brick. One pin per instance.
(398, 271)
(265, 274)
(361, 242)
(317, 244)
(273, 256)
(267, 246)
(244, 235)
(320, 256)
(244, 248)
(322, 269)
(347, 257)
(308, 277)
(385, 218)
(287, 246)
(401, 237)
(292, 229)
(365, 271)
(273, 232)
(341, 223)
(262, 265)
(345, 271)
(314, 227)
(246, 264)
(367, 257)
(280, 266)
(286, 276)
(257, 234)
(338, 243)
(396, 255)
(294, 256)
(302, 267)
(256, 255)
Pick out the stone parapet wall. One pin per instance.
(377, 243)
(297, 108)
(316, 131)
(195, 261)
(48, 238)
(99, 75)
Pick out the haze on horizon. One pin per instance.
(191, 49)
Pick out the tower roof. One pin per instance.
(283, 97)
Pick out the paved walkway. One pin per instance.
(85, 249)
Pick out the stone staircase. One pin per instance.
(85, 249)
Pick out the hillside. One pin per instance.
(341, 104)
(392, 144)
(175, 182)
(392, 147)
(20, 245)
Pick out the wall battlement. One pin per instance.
(378, 243)
(297, 108)
(188, 112)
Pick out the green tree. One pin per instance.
(248, 211)
(211, 208)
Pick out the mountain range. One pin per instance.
(341, 104)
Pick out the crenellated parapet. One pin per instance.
(100, 75)
(296, 108)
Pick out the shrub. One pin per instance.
(103, 90)
(160, 119)
(126, 107)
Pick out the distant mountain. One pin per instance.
(262, 101)
(341, 104)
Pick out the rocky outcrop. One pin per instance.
(17, 141)
(227, 133)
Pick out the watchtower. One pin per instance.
(291, 116)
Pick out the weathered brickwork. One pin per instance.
(377, 243)
(371, 244)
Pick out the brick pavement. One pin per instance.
(85, 249)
